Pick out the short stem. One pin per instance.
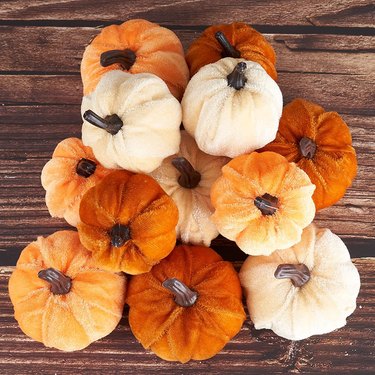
(298, 273)
(60, 284)
(112, 124)
(126, 58)
(85, 167)
(119, 235)
(267, 204)
(189, 177)
(237, 78)
(228, 49)
(307, 147)
(184, 296)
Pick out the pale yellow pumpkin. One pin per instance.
(187, 177)
(232, 107)
(308, 289)
(131, 121)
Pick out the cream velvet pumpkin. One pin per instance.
(131, 121)
(232, 107)
(308, 289)
(187, 177)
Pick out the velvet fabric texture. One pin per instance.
(148, 215)
(194, 204)
(90, 310)
(319, 306)
(150, 116)
(247, 41)
(243, 196)
(334, 164)
(64, 186)
(177, 333)
(226, 121)
(157, 50)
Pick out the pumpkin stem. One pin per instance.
(298, 273)
(237, 78)
(228, 49)
(119, 234)
(126, 58)
(189, 177)
(307, 147)
(267, 204)
(85, 167)
(60, 284)
(184, 296)
(112, 124)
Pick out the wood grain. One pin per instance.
(347, 350)
(341, 13)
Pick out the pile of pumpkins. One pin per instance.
(243, 166)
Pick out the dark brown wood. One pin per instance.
(347, 350)
(347, 13)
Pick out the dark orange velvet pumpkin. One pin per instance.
(128, 222)
(320, 143)
(188, 306)
(237, 40)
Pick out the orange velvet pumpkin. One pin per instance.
(188, 306)
(237, 40)
(262, 202)
(128, 222)
(71, 172)
(60, 298)
(320, 143)
(136, 46)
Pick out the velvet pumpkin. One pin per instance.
(72, 171)
(237, 40)
(60, 298)
(136, 46)
(128, 222)
(187, 177)
(320, 143)
(306, 290)
(188, 306)
(262, 202)
(232, 107)
(131, 121)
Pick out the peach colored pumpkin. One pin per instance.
(136, 46)
(60, 297)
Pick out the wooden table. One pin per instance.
(325, 53)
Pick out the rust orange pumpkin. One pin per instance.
(128, 222)
(136, 46)
(320, 143)
(188, 306)
(237, 40)
(71, 172)
(60, 298)
(262, 202)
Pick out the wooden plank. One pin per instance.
(347, 350)
(59, 50)
(342, 13)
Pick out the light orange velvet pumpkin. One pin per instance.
(237, 40)
(262, 202)
(188, 306)
(136, 46)
(320, 143)
(71, 172)
(128, 222)
(60, 298)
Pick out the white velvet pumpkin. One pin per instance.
(191, 190)
(139, 120)
(308, 289)
(232, 107)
